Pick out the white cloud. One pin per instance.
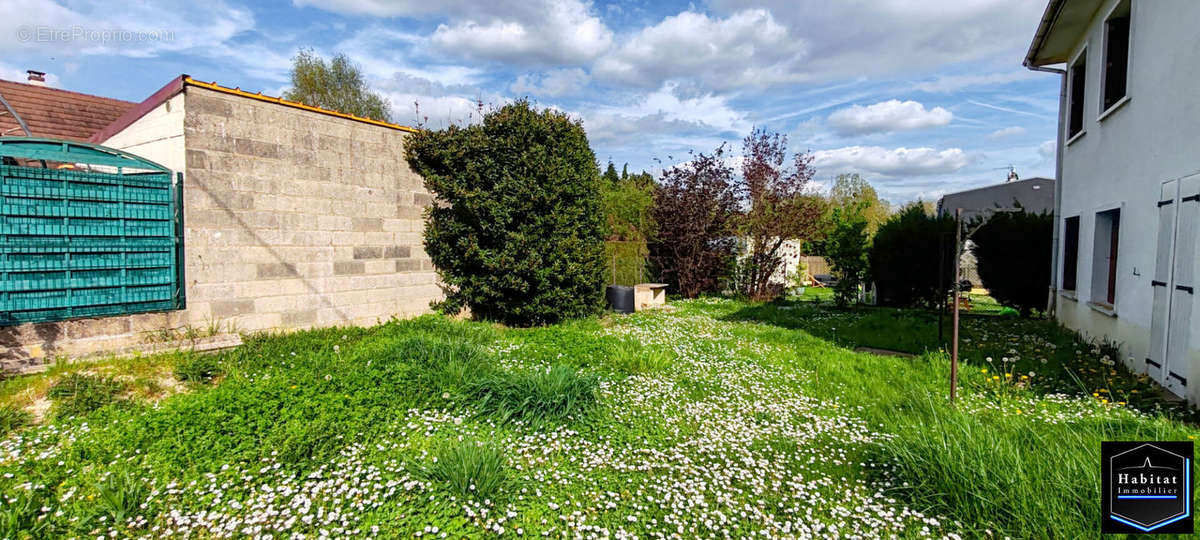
(519, 32)
(1014, 131)
(416, 100)
(566, 33)
(134, 29)
(1048, 149)
(554, 83)
(664, 117)
(748, 48)
(955, 83)
(705, 109)
(887, 116)
(900, 36)
(897, 162)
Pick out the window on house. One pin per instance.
(1116, 56)
(1070, 253)
(1104, 257)
(1078, 74)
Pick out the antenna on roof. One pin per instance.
(1012, 173)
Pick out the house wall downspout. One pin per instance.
(1052, 300)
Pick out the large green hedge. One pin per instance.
(1013, 250)
(516, 233)
(904, 258)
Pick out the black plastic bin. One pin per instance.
(620, 298)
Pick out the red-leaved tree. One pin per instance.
(695, 207)
(776, 207)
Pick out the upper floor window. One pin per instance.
(1078, 76)
(1116, 56)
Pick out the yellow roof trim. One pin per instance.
(294, 104)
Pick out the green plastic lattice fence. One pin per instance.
(86, 231)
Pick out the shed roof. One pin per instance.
(1035, 195)
(54, 113)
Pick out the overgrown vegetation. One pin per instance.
(1013, 252)
(12, 418)
(517, 234)
(436, 426)
(197, 368)
(81, 393)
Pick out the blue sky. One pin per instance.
(922, 97)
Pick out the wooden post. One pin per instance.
(954, 288)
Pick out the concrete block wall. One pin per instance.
(293, 219)
(296, 219)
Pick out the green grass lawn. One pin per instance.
(717, 419)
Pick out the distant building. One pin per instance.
(1035, 195)
(1128, 208)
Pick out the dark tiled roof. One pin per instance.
(57, 114)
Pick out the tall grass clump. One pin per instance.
(197, 368)
(473, 469)
(430, 366)
(630, 356)
(120, 496)
(557, 394)
(79, 393)
(13, 418)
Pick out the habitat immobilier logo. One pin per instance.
(1147, 487)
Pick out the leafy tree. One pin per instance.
(337, 85)
(610, 174)
(846, 249)
(852, 190)
(1012, 251)
(777, 208)
(694, 208)
(905, 254)
(517, 234)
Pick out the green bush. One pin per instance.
(12, 419)
(78, 394)
(904, 258)
(197, 368)
(846, 249)
(1013, 251)
(517, 232)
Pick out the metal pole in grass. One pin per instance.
(954, 287)
(983, 218)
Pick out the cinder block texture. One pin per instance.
(307, 216)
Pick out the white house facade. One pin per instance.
(1128, 196)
